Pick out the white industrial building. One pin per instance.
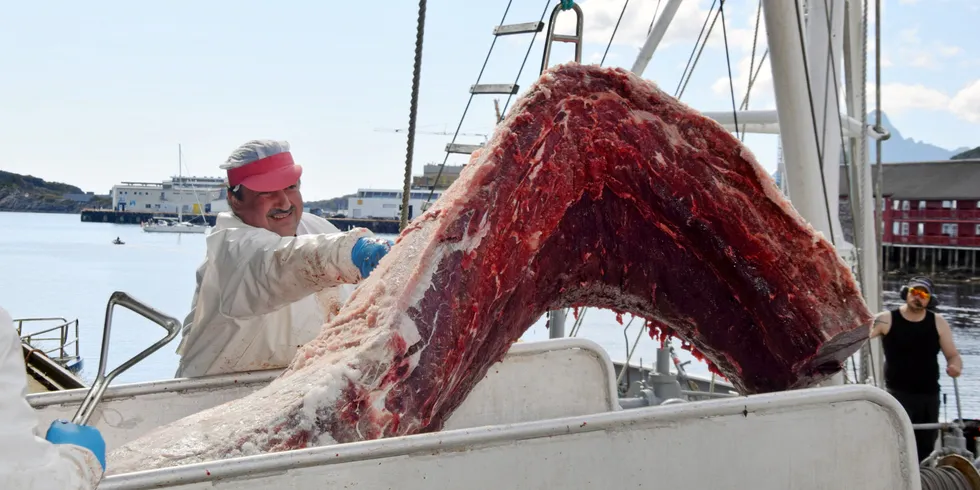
(386, 203)
(190, 195)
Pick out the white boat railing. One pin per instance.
(838, 437)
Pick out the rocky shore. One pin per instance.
(28, 194)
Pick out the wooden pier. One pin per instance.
(384, 226)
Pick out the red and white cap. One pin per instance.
(263, 166)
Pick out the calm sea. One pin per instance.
(53, 265)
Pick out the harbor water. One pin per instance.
(54, 265)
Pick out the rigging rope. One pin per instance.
(629, 355)
(813, 117)
(879, 204)
(698, 57)
(678, 91)
(469, 101)
(654, 20)
(613, 36)
(877, 185)
(413, 110)
(528, 53)
(728, 60)
(755, 40)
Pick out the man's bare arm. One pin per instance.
(954, 363)
(882, 324)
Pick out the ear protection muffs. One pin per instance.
(933, 300)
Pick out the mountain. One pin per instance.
(899, 149)
(27, 193)
(974, 153)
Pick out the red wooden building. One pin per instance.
(931, 214)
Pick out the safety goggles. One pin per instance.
(920, 293)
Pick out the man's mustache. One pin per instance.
(276, 211)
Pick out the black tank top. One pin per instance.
(912, 355)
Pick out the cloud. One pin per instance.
(601, 15)
(966, 103)
(901, 97)
(913, 52)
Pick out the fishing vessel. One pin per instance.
(557, 413)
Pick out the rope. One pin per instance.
(813, 117)
(943, 478)
(840, 125)
(698, 57)
(413, 111)
(528, 53)
(654, 20)
(728, 60)
(694, 50)
(879, 204)
(469, 101)
(613, 36)
(758, 69)
(755, 40)
(629, 355)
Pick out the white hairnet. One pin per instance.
(254, 150)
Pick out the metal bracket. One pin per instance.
(552, 37)
(102, 380)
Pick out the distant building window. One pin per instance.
(905, 228)
(149, 206)
(922, 205)
(950, 229)
(921, 229)
(895, 228)
(977, 233)
(949, 204)
(895, 205)
(978, 204)
(905, 205)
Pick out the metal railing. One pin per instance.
(64, 342)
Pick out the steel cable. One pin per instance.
(943, 478)
(412, 113)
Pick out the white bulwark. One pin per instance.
(192, 195)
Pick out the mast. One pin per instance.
(180, 161)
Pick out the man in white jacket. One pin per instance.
(70, 458)
(273, 275)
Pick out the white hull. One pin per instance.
(177, 228)
(546, 416)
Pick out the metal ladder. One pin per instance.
(527, 28)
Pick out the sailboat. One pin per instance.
(162, 224)
(551, 415)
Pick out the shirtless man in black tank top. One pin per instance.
(912, 336)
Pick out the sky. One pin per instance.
(96, 93)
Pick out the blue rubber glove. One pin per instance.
(88, 437)
(367, 252)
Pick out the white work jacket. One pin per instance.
(27, 460)
(261, 296)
